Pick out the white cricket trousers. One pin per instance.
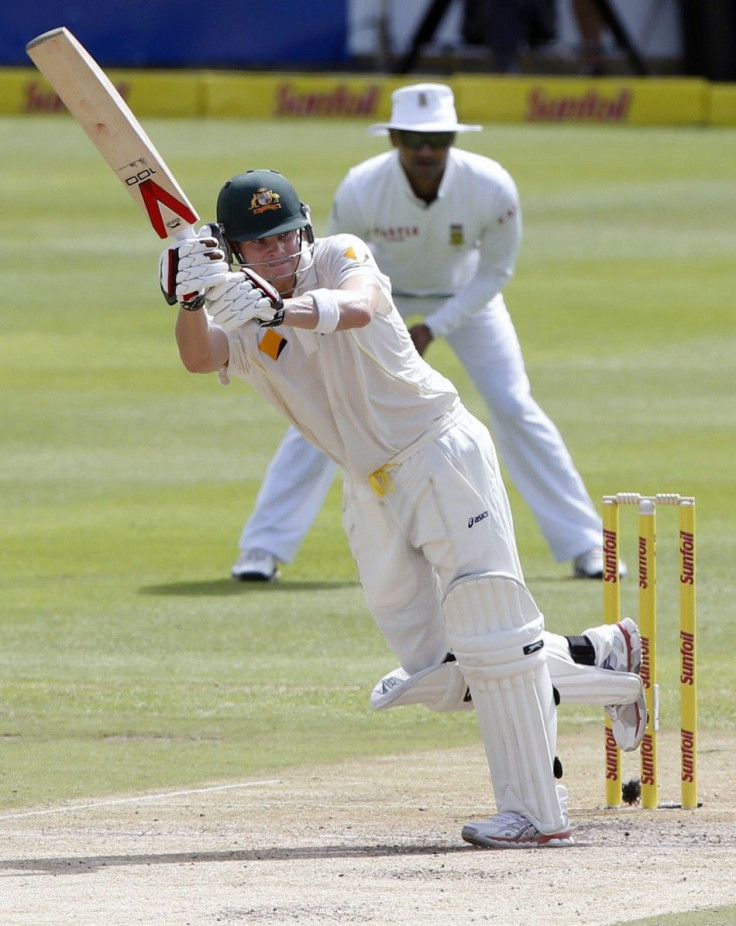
(446, 516)
(531, 447)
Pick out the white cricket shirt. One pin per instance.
(446, 260)
(364, 396)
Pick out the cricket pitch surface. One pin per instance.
(370, 841)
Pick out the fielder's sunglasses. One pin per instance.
(416, 140)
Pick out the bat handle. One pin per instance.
(188, 231)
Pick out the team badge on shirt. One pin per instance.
(351, 254)
(457, 234)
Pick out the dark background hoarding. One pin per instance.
(292, 34)
(285, 34)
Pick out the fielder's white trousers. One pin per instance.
(531, 447)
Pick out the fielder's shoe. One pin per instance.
(628, 721)
(512, 830)
(590, 565)
(256, 566)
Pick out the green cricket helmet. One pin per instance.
(259, 203)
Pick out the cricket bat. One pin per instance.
(91, 98)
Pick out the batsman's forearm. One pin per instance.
(356, 301)
(202, 349)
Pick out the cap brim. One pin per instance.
(383, 128)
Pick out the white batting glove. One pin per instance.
(271, 315)
(188, 269)
(244, 296)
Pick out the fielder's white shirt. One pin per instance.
(363, 396)
(446, 260)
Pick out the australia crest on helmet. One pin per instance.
(264, 200)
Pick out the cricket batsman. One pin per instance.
(311, 326)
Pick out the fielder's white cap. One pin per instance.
(423, 108)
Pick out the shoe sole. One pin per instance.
(633, 662)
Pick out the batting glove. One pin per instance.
(243, 297)
(188, 269)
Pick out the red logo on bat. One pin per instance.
(153, 198)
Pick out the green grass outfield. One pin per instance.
(720, 916)
(129, 660)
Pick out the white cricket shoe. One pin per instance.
(256, 566)
(590, 565)
(628, 721)
(511, 830)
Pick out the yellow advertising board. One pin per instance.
(625, 101)
(480, 98)
(148, 93)
(722, 103)
(269, 96)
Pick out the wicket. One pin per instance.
(647, 601)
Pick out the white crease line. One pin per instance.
(137, 800)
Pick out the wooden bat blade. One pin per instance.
(91, 98)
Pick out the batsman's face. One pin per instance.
(275, 258)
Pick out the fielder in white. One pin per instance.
(445, 226)
(312, 327)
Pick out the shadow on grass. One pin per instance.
(224, 587)
(75, 865)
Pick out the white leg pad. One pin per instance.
(440, 688)
(495, 631)
(578, 684)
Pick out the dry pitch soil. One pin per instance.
(369, 842)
